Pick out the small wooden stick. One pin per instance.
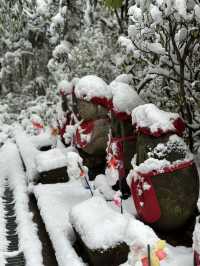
(149, 254)
(79, 165)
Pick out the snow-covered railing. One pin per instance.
(27, 230)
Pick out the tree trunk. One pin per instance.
(185, 108)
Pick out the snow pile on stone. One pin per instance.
(174, 143)
(74, 162)
(68, 196)
(29, 242)
(147, 166)
(151, 117)
(139, 234)
(99, 226)
(28, 152)
(49, 160)
(152, 164)
(42, 140)
(125, 98)
(102, 186)
(62, 197)
(92, 86)
(125, 78)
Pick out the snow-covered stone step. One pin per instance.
(19, 242)
(62, 196)
(16, 260)
(15, 256)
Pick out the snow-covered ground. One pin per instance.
(56, 201)
(63, 197)
(12, 169)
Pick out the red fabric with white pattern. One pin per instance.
(116, 157)
(145, 200)
(85, 128)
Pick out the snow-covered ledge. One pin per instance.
(29, 242)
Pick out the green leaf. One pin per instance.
(114, 3)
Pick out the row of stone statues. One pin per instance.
(139, 147)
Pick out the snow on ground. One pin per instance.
(28, 152)
(99, 222)
(3, 240)
(49, 160)
(62, 197)
(66, 196)
(41, 140)
(27, 230)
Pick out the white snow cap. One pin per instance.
(65, 86)
(42, 140)
(99, 226)
(139, 234)
(151, 164)
(151, 117)
(49, 160)
(125, 98)
(125, 78)
(73, 162)
(92, 86)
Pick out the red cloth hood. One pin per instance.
(179, 128)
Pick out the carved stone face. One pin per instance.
(88, 110)
(99, 137)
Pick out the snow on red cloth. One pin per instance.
(168, 169)
(196, 258)
(144, 194)
(150, 120)
(115, 154)
(179, 127)
(145, 200)
(62, 126)
(82, 136)
(62, 130)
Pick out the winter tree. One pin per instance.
(163, 49)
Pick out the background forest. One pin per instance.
(155, 43)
